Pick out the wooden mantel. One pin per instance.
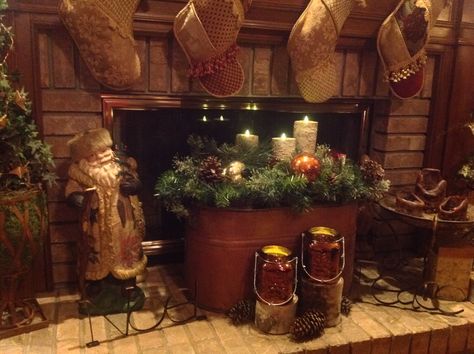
(427, 131)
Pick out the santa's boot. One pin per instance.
(102, 31)
(312, 45)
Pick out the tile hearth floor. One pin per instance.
(368, 329)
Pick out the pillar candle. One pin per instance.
(283, 147)
(305, 133)
(246, 140)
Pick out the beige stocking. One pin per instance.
(207, 32)
(312, 44)
(102, 31)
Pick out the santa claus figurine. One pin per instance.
(104, 187)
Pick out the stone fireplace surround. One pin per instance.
(68, 100)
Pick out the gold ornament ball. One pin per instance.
(307, 165)
(234, 171)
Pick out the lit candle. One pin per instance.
(246, 140)
(283, 147)
(305, 133)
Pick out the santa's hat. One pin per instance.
(89, 142)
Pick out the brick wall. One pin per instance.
(70, 102)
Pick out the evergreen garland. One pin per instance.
(269, 186)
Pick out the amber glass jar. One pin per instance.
(275, 272)
(325, 252)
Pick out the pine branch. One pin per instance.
(267, 187)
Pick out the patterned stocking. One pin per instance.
(401, 44)
(312, 44)
(207, 31)
(102, 31)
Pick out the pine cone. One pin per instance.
(242, 312)
(372, 171)
(346, 305)
(309, 325)
(210, 170)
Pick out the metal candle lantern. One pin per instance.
(322, 254)
(275, 275)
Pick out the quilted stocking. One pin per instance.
(312, 45)
(102, 31)
(207, 32)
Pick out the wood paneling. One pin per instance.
(279, 72)
(159, 63)
(245, 58)
(86, 80)
(368, 72)
(459, 139)
(64, 73)
(350, 83)
(468, 11)
(66, 98)
(141, 46)
(262, 71)
(71, 101)
(179, 67)
(43, 56)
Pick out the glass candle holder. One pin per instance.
(322, 254)
(275, 275)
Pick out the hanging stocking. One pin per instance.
(401, 44)
(102, 31)
(312, 45)
(207, 32)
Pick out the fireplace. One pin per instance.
(155, 129)
(404, 135)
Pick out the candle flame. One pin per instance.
(221, 118)
(283, 136)
(247, 132)
(204, 118)
(306, 119)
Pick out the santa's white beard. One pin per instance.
(105, 174)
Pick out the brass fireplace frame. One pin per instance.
(111, 103)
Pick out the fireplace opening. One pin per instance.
(155, 131)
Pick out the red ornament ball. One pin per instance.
(307, 165)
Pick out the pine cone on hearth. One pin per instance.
(242, 312)
(210, 170)
(346, 305)
(308, 326)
